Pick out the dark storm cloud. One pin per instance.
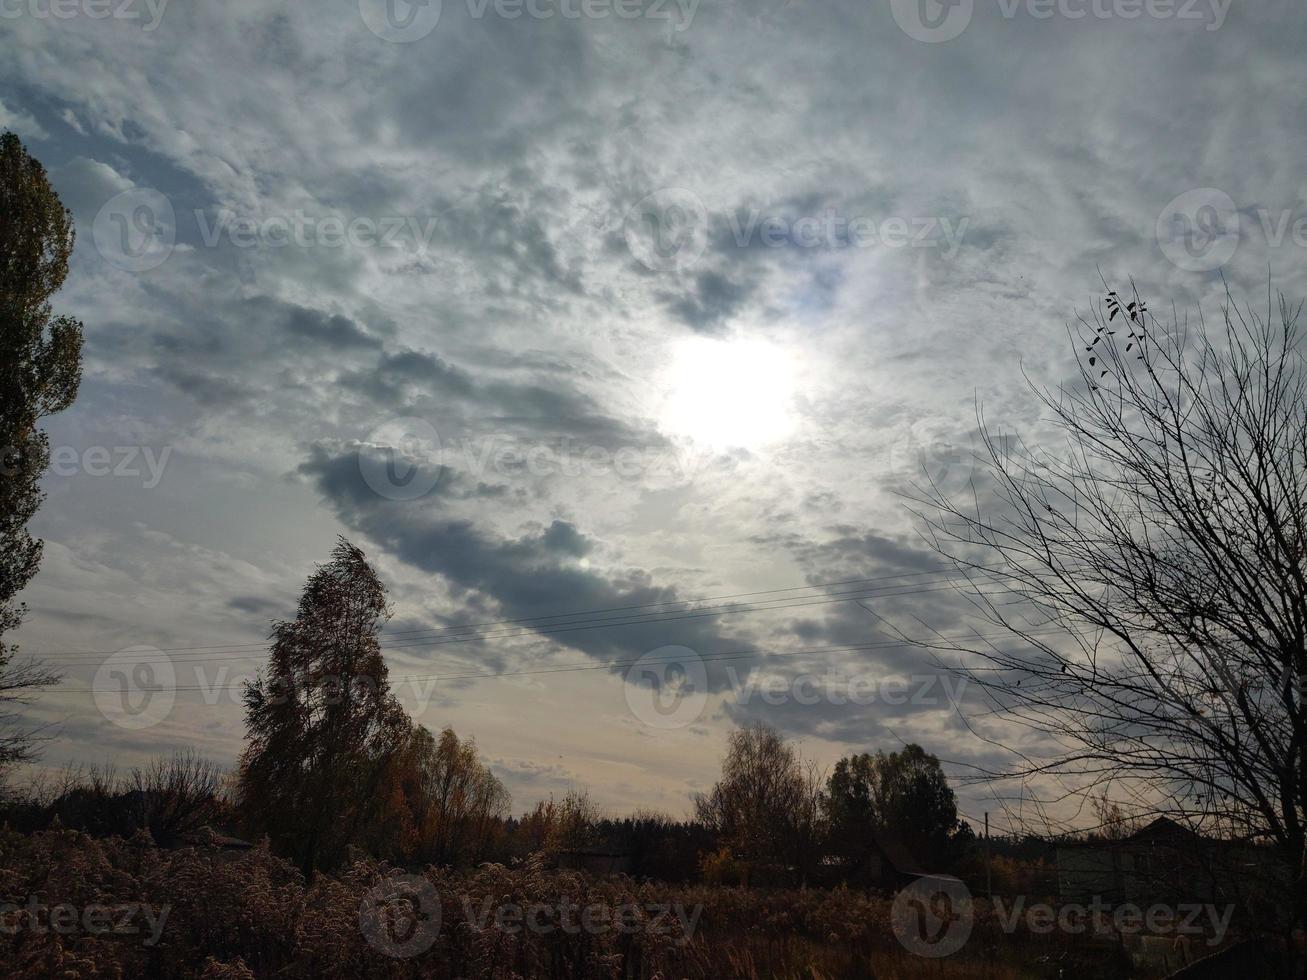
(534, 574)
(856, 551)
(909, 591)
(234, 354)
(257, 605)
(892, 704)
(708, 300)
(223, 368)
(396, 377)
(905, 597)
(336, 331)
(406, 381)
(211, 390)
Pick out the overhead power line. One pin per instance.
(720, 657)
(544, 618)
(440, 636)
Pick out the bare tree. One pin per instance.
(766, 808)
(19, 683)
(176, 794)
(1148, 575)
(571, 823)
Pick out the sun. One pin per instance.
(729, 394)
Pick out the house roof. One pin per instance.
(1163, 829)
(898, 855)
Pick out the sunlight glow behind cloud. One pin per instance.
(729, 394)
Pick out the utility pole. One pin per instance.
(989, 883)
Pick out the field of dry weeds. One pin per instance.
(74, 906)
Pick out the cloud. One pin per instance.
(710, 299)
(21, 123)
(511, 315)
(537, 573)
(335, 331)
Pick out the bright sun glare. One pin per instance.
(729, 394)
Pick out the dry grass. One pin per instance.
(256, 916)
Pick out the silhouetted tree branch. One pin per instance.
(1166, 538)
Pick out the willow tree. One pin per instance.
(1149, 563)
(40, 370)
(321, 722)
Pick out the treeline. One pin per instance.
(168, 799)
(333, 762)
(334, 769)
(776, 820)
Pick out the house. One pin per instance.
(882, 861)
(1164, 862)
(891, 864)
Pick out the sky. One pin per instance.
(566, 307)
